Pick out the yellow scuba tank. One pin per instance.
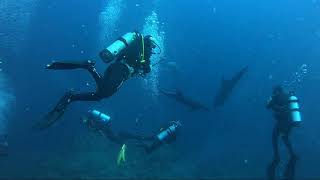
(111, 52)
(294, 109)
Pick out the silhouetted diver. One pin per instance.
(178, 96)
(226, 88)
(130, 56)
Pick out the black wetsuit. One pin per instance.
(279, 104)
(128, 64)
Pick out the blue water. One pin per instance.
(207, 40)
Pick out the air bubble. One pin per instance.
(297, 77)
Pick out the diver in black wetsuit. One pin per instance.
(100, 122)
(131, 55)
(279, 104)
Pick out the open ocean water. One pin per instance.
(201, 43)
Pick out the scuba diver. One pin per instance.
(97, 121)
(130, 55)
(166, 135)
(3, 145)
(286, 112)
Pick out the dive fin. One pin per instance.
(271, 170)
(122, 155)
(290, 169)
(53, 116)
(48, 120)
(69, 65)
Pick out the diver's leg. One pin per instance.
(291, 166)
(58, 111)
(96, 76)
(109, 134)
(89, 65)
(288, 144)
(70, 97)
(91, 96)
(70, 65)
(275, 137)
(114, 77)
(271, 169)
(128, 136)
(154, 146)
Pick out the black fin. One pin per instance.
(53, 116)
(271, 170)
(290, 169)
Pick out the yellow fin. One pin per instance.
(122, 155)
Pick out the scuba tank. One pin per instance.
(294, 108)
(164, 135)
(98, 118)
(111, 52)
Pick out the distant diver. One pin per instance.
(100, 122)
(167, 135)
(97, 121)
(226, 88)
(285, 108)
(130, 55)
(4, 146)
(187, 101)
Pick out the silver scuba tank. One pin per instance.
(162, 136)
(98, 116)
(294, 109)
(111, 52)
